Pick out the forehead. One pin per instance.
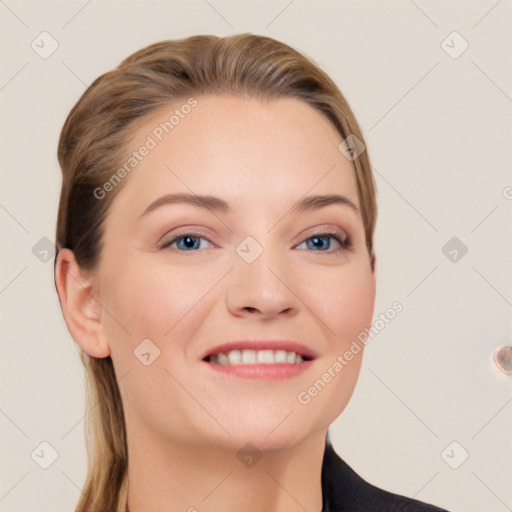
(250, 152)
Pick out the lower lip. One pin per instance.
(278, 371)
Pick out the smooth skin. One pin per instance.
(186, 422)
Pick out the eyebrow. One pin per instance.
(216, 204)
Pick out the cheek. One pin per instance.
(149, 300)
(344, 308)
(160, 304)
(342, 302)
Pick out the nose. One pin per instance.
(262, 288)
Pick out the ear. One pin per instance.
(79, 303)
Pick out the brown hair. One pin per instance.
(92, 144)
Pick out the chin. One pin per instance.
(266, 434)
(258, 440)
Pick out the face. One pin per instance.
(190, 278)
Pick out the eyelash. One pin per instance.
(344, 240)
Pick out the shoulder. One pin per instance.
(344, 490)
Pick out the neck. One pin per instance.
(190, 478)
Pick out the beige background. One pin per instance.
(439, 134)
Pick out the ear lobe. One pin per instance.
(81, 310)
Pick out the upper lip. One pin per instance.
(288, 345)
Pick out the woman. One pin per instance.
(215, 258)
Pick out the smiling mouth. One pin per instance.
(253, 357)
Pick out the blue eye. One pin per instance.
(322, 241)
(191, 241)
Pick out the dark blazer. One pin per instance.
(343, 490)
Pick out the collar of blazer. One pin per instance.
(343, 490)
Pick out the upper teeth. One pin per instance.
(256, 357)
